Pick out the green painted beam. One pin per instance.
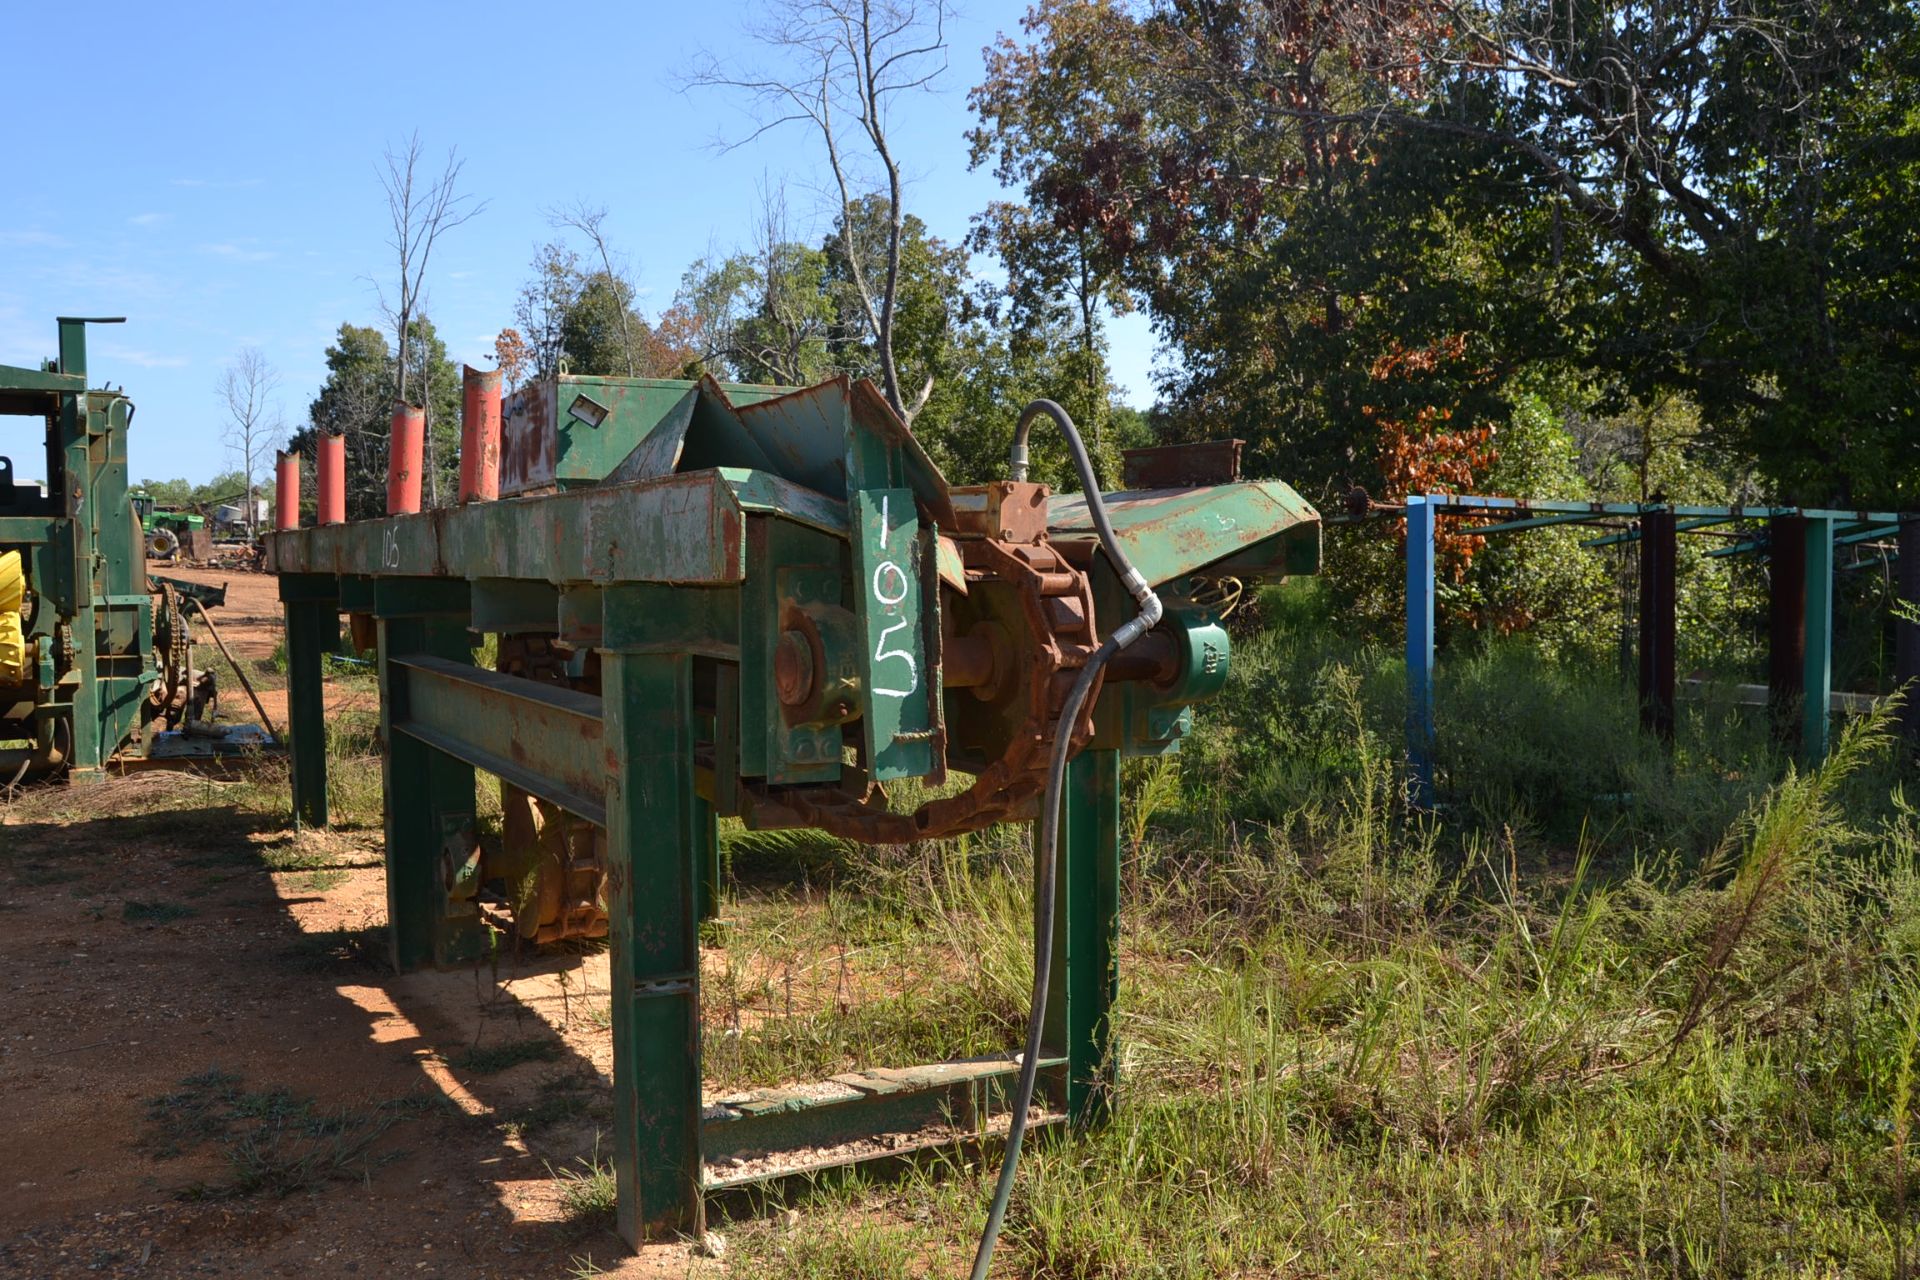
(543, 738)
(429, 800)
(653, 852)
(682, 529)
(858, 1104)
(14, 378)
(1633, 535)
(1169, 533)
(1816, 685)
(1086, 935)
(1536, 522)
(313, 630)
(679, 529)
(33, 531)
(1868, 535)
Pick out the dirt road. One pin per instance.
(207, 1067)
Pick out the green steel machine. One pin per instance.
(746, 602)
(94, 656)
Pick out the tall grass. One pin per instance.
(1615, 1010)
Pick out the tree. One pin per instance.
(585, 320)
(1675, 198)
(591, 223)
(1281, 265)
(228, 486)
(541, 308)
(513, 357)
(354, 402)
(596, 330)
(441, 404)
(763, 314)
(245, 387)
(419, 210)
(850, 60)
(1053, 274)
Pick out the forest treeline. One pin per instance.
(1616, 249)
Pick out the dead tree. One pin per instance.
(420, 209)
(842, 64)
(245, 387)
(589, 222)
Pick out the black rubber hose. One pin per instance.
(1045, 853)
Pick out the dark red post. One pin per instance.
(1659, 552)
(1786, 623)
(1906, 664)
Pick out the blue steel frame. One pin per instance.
(1422, 515)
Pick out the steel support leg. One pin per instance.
(311, 623)
(706, 828)
(1817, 682)
(429, 800)
(1659, 553)
(1420, 519)
(1786, 623)
(655, 831)
(1906, 663)
(1086, 934)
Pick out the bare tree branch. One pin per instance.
(245, 387)
(419, 210)
(590, 222)
(847, 60)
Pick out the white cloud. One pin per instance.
(146, 219)
(145, 359)
(235, 252)
(32, 240)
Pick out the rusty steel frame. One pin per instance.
(691, 581)
(629, 760)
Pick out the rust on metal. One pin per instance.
(480, 435)
(286, 491)
(1174, 466)
(1007, 510)
(527, 439)
(330, 479)
(404, 451)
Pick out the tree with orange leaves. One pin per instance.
(1423, 449)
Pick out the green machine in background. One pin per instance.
(94, 657)
(746, 602)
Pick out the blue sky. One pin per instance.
(208, 171)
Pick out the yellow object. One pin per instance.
(13, 645)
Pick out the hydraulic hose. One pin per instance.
(1045, 853)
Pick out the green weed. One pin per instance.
(589, 1193)
(492, 1059)
(274, 1142)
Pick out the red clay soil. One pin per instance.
(207, 1068)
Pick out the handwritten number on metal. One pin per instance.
(890, 586)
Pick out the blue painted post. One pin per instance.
(1420, 515)
(1817, 682)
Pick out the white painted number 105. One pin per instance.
(890, 586)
